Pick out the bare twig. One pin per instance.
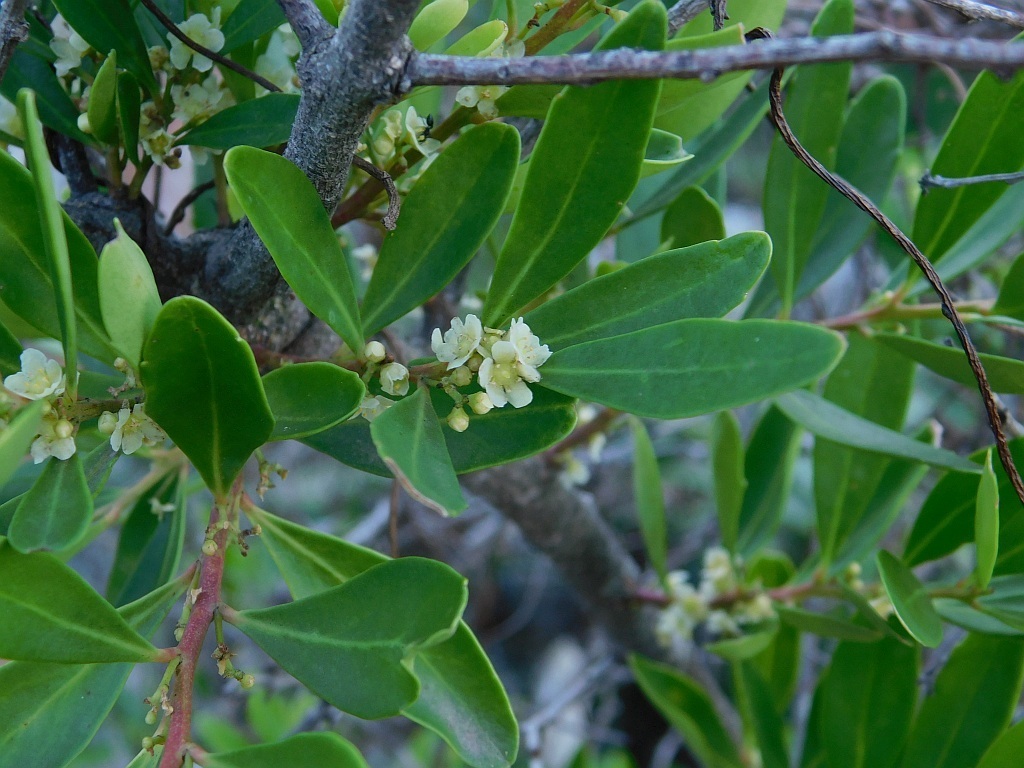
(13, 30)
(683, 12)
(178, 214)
(224, 61)
(306, 21)
(709, 63)
(931, 181)
(977, 11)
(948, 304)
(718, 13)
(390, 219)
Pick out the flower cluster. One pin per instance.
(203, 30)
(68, 45)
(41, 378)
(398, 130)
(718, 603)
(484, 97)
(129, 430)
(394, 380)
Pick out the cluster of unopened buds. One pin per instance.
(709, 604)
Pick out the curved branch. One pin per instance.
(978, 11)
(13, 30)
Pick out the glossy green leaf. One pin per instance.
(204, 390)
(827, 625)
(1006, 600)
(1010, 301)
(779, 663)
(435, 20)
(129, 299)
(868, 700)
(971, 619)
(51, 614)
(444, 220)
(688, 709)
(56, 511)
(461, 698)
(693, 218)
(50, 712)
(263, 122)
(290, 219)
(102, 109)
(576, 185)
(56, 109)
(730, 482)
(312, 749)
(703, 280)
(664, 151)
(1005, 751)
(971, 704)
(408, 437)
(1004, 374)
(107, 25)
(650, 500)
(129, 106)
(307, 398)
(873, 383)
(481, 41)
(250, 20)
(768, 468)
(150, 544)
(54, 239)
(839, 425)
(983, 138)
(16, 438)
(744, 647)
(910, 600)
(767, 723)
(345, 649)
(703, 365)
(986, 523)
(10, 353)
(795, 198)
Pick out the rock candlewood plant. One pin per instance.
(524, 248)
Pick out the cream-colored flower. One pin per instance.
(374, 352)
(394, 379)
(56, 438)
(372, 407)
(480, 403)
(38, 378)
(135, 429)
(156, 141)
(67, 44)
(203, 30)
(718, 576)
(502, 379)
(459, 342)
(458, 419)
(483, 97)
(417, 131)
(529, 350)
(196, 102)
(390, 131)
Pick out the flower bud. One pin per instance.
(247, 681)
(107, 423)
(458, 420)
(374, 352)
(461, 376)
(480, 402)
(83, 123)
(209, 547)
(63, 429)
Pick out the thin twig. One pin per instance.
(390, 219)
(234, 66)
(718, 13)
(710, 63)
(683, 12)
(931, 181)
(948, 304)
(178, 214)
(13, 30)
(977, 11)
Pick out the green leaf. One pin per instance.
(1005, 751)
(204, 390)
(703, 365)
(345, 649)
(109, 24)
(129, 299)
(461, 698)
(650, 501)
(768, 468)
(444, 220)
(693, 218)
(250, 20)
(481, 41)
(51, 614)
(972, 702)
(704, 280)
(963, 615)
(730, 483)
(1006, 600)
(794, 198)
(54, 239)
(868, 697)
(1010, 301)
(16, 438)
(408, 437)
(577, 183)
(745, 646)
(1004, 374)
(10, 353)
(840, 426)
(56, 511)
(307, 398)
(664, 150)
(129, 106)
(910, 600)
(688, 709)
(56, 109)
(986, 524)
(263, 122)
(102, 109)
(312, 749)
(826, 625)
(436, 20)
(149, 548)
(50, 712)
(290, 219)
(983, 138)
(768, 725)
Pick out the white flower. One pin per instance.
(202, 30)
(391, 130)
(156, 141)
(674, 630)
(374, 352)
(67, 44)
(721, 623)
(198, 101)
(756, 610)
(135, 429)
(483, 97)
(394, 379)
(56, 438)
(501, 376)
(574, 472)
(416, 130)
(38, 378)
(459, 343)
(718, 576)
(372, 407)
(530, 351)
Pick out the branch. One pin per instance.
(929, 181)
(390, 219)
(13, 30)
(306, 21)
(709, 63)
(683, 12)
(718, 13)
(977, 11)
